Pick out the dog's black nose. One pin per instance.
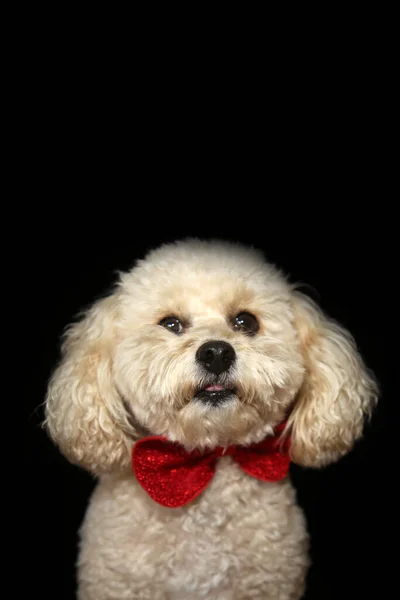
(216, 356)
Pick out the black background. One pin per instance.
(307, 176)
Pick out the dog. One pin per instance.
(187, 391)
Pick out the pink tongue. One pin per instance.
(214, 388)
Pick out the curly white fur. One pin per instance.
(122, 375)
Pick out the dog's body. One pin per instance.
(205, 344)
(241, 538)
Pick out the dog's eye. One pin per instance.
(246, 322)
(172, 324)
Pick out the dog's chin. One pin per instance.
(218, 418)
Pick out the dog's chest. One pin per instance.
(235, 522)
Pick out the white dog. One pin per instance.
(194, 365)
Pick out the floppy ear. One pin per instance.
(85, 415)
(337, 393)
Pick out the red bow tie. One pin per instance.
(173, 477)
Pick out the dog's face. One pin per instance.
(208, 352)
(208, 345)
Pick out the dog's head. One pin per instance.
(206, 344)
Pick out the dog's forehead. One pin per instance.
(205, 292)
(202, 277)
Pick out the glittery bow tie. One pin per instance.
(173, 477)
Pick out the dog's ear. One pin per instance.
(85, 415)
(337, 393)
